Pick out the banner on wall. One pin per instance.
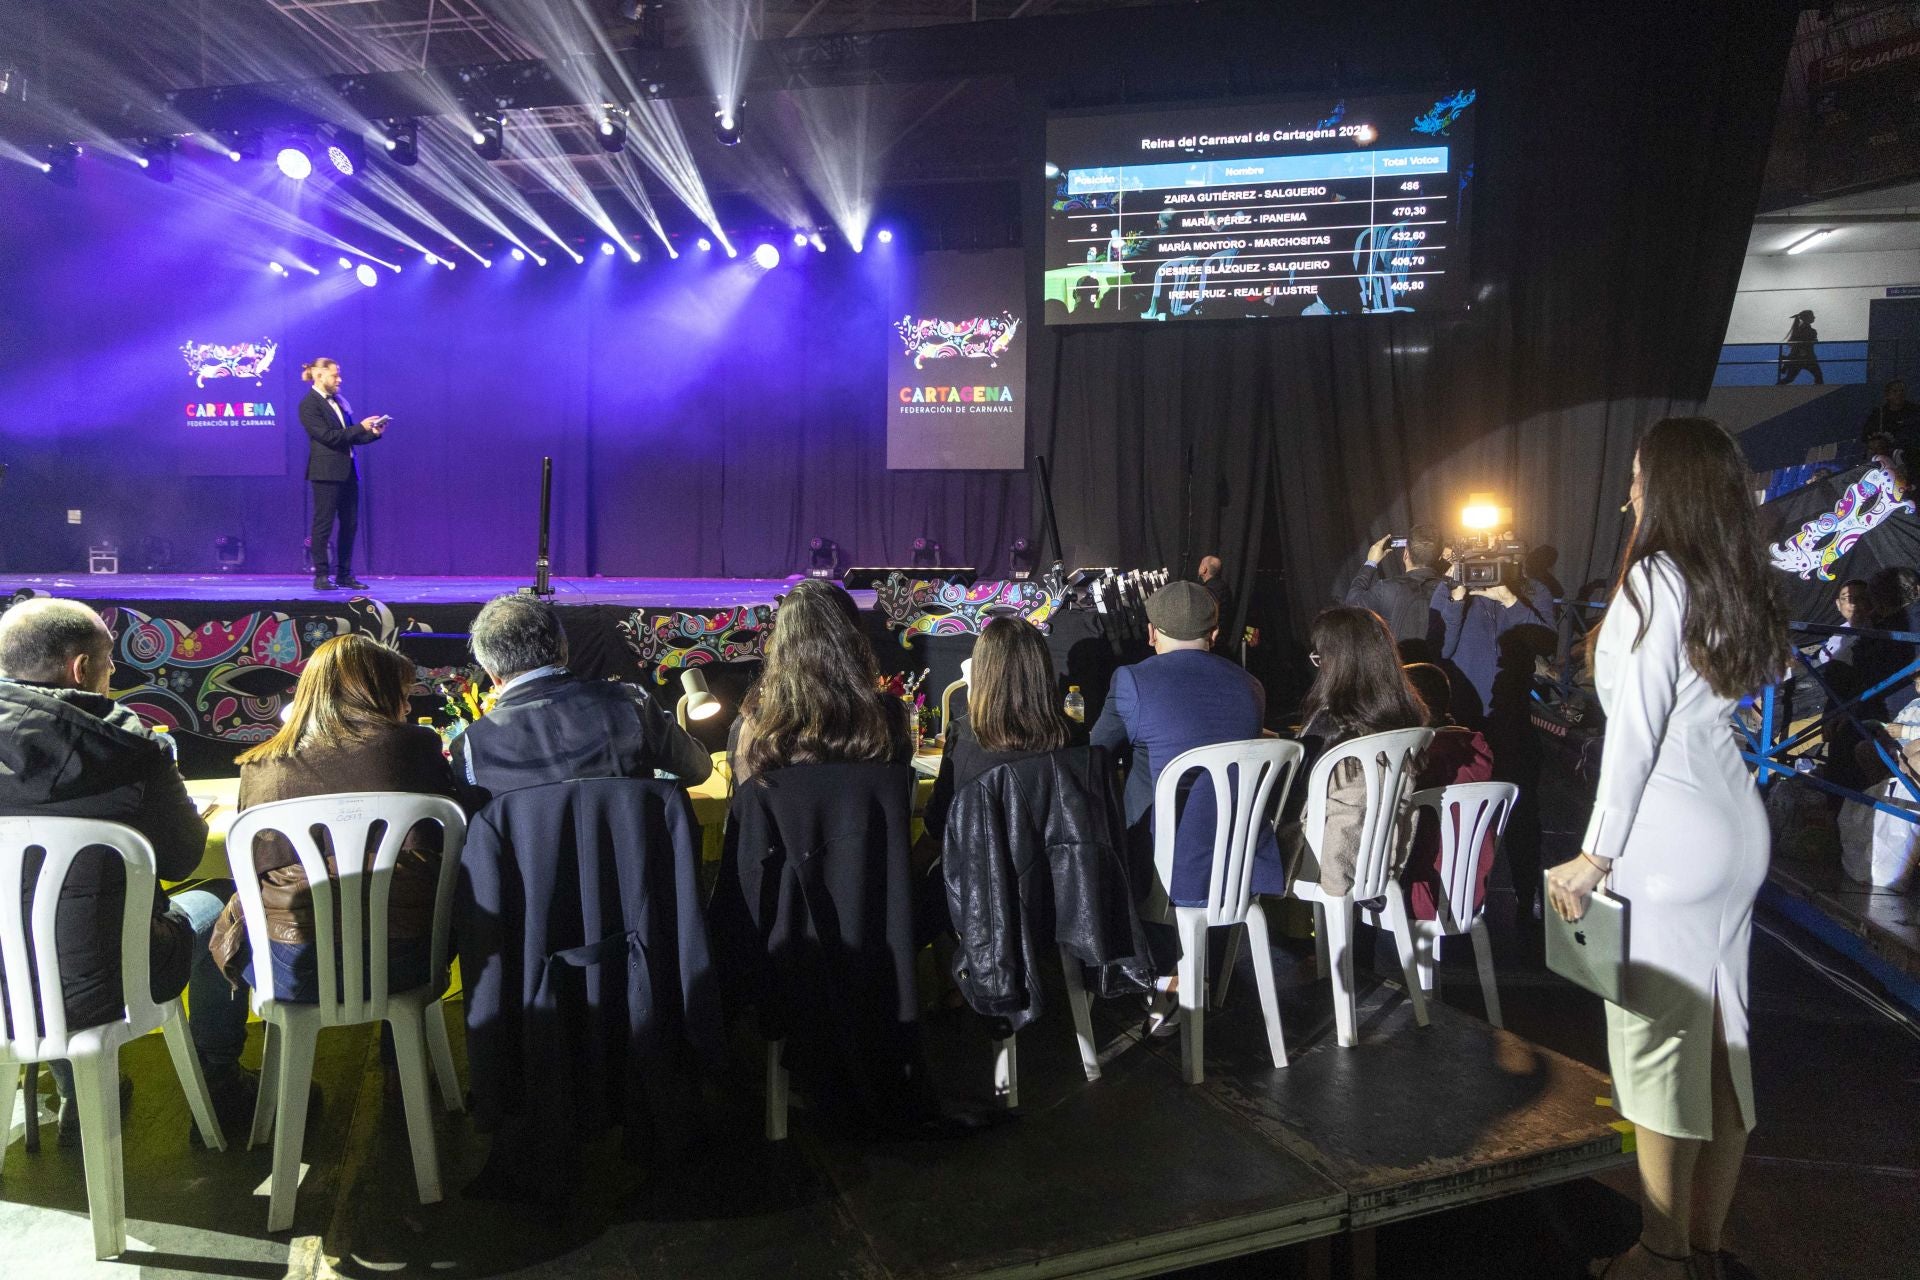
(235, 407)
(957, 363)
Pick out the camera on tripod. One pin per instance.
(1486, 554)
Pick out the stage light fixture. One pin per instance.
(61, 163)
(342, 162)
(926, 552)
(346, 263)
(767, 257)
(606, 249)
(156, 157)
(729, 122)
(366, 275)
(489, 134)
(613, 129)
(276, 268)
(706, 245)
(885, 236)
(799, 239)
(229, 552)
(818, 241)
(401, 138)
(295, 161)
(519, 255)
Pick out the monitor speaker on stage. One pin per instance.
(865, 578)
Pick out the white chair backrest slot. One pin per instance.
(1386, 761)
(1465, 813)
(1250, 781)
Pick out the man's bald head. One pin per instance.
(1209, 568)
(57, 642)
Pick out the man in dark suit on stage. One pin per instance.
(332, 433)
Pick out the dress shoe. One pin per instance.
(69, 1134)
(320, 583)
(234, 1090)
(350, 583)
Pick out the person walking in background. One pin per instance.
(1679, 831)
(1798, 354)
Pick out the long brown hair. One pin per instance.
(1695, 508)
(1360, 684)
(352, 686)
(1013, 703)
(818, 698)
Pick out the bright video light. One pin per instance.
(767, 257)
(366, 275)
(1481, 513)
(295, 163)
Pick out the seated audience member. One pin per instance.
(813, 914)
(550, 725)
(1358, 689)
(1853, 602)
(67, 750)
(347, 731)
(1013, 711)
(1184, 696)
(1456, 754)
(819, 700)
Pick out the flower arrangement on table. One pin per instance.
(466, 694)
(924, 720)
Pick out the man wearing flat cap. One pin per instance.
(1183, 697)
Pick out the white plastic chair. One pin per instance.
(93, 1051)
(1386, 760)
(1466, 813)
(1006, 1053)
(350, 939)
(1265, 769)
(946, 708)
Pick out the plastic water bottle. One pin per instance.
(165, 735)
(1076, 707)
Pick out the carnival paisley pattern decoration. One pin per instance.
(917, 607)
(1822, 541)
(226, 680)
(673, 641)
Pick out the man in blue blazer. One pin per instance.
(1183, 697)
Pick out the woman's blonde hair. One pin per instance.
(313, 367)
(353, 684)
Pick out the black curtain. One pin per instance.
(1619, 156)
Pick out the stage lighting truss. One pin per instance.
(488, 134)
(611, 131)
(401, 141)
(238, 144)
(155, 156)
(729, 122)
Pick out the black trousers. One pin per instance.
(335, 499)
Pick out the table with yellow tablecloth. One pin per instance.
(218, 800)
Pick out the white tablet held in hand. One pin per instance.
(1591, 951)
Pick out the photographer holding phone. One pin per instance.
(1403, 600)
(333, 432)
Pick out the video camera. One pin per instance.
(1488, 560)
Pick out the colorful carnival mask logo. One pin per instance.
(218, 360)
(1867, 504)
(981, 338)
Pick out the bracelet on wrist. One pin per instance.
(1605, 868)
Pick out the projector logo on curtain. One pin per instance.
(212, 361)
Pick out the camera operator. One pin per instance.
(1404, 599)
(1490, 638)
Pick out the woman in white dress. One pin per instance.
(1679, 831)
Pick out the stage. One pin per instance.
(214, 656)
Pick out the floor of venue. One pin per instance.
(1134, 1173)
